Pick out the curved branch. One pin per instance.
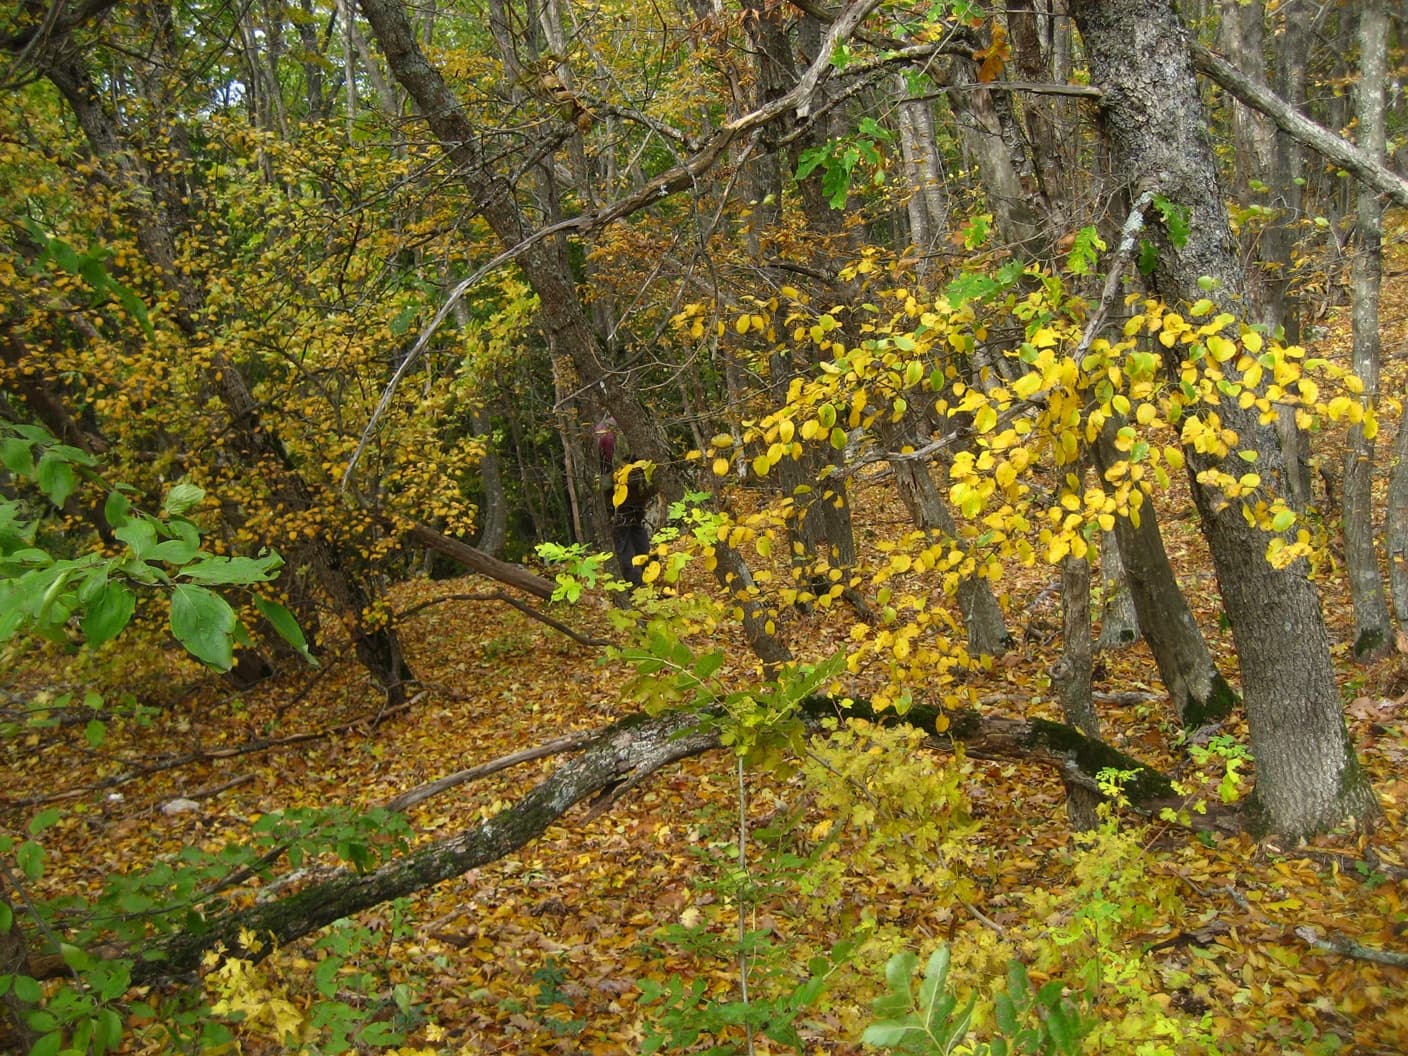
(1299, 127)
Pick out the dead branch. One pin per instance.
(478, 561)
(1288, 119)
(1348, 947)
(508, 599)
(205, 755)
(570, 743)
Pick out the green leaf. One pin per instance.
(140, 534)
(174, 551)
(45, 819)
(183, 497)
(18, 456)
(28, 990)
(204, 623)
(50, 1044)
(286, 625)
(890, 1033)
(1148, 257)
(108, 614)
(707, 664)
(29, 856)
(1005, 1014)
(935, 975)
(115, 509)
(899, 970)
(108, 1029)
(55, 478)
(225, 570)
(7, 918)
(96, 732)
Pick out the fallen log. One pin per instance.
(621, 756)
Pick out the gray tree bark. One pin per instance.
(1119, 621)
(1373, 631)
(1308, 776)
(1199, 693)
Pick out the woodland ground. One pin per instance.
(542, 951)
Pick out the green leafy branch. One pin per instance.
(50, 595)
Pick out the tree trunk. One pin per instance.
(1308, 776)
(982, 615)
(1396, 525)
(1072, 680)
(1199, 693)
(927, 206)
(1373, 632)
(1119, 621)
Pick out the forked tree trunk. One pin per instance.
(1308, 776)
(567, 327)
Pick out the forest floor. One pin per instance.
(544, 951)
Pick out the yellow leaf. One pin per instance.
(1027, 385)
(720, 468)
(741, 325)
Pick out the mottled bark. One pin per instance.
(1119, 622)
(1396, 525)
(1308, 776)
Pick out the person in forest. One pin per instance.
(605, 434)
(627, 499)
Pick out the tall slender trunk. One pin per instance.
(563, 318)
(982, 615)
(1372, 628)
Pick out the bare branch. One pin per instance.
(1289, 120)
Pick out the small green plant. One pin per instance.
(95, 594)
(682, 1014)
(931, 1021)
(1232, 755)
(580, 570)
